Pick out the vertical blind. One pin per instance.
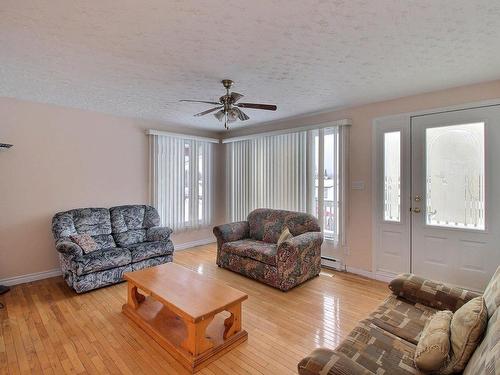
(181, 181)
(300, 171)
(268, 172)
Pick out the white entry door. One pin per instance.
(455, 196)
(437, 196)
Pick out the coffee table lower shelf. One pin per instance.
(170, 331)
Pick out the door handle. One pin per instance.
(417, 210)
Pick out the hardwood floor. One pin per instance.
(48, 329)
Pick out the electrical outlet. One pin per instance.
(346, 250)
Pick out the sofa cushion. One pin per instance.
(492, 293)
(299, 223)
(104, 241)
(466, 331)
(101, 260)
(158, 233)
(257, 250)
(326, 361)
(252, 268)
(85, 241)
(130, 237)
(433, 348)
(151, 262)
(366, 350)
(63, 225)
(374, 349)
(486, 357)
(93, 221)
(402, 318)
(146, 250)
(130, 217)
(267, 224)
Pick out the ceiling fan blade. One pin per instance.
(219, 115)
(235, 96)
(241, 115)
(268, 107)
(207, 111)
(199, 101)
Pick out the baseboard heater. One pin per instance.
(333, 263)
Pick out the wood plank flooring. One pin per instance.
(46, 328)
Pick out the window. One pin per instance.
(455, 176)
(300, 171)
(392, 176)
(328, 179)
(182, 174)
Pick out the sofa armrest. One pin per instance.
(228, 233)
(299, 243)
(299, 259)
(154, 234)
(430, 293)
(67, 247)
(231, 232)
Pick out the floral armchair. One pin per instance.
(250, 247)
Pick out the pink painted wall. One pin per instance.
(359, 232)
(62, 159)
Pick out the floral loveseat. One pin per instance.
(250, 247)
(385, 342)
(125, 238)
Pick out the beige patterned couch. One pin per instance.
(385, 342)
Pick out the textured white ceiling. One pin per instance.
(137, 58)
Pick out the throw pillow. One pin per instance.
(285, 235)
(433, 348)
(466, 331)
(85, 241)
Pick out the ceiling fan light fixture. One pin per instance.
(230, 110)
(232, 115)
(219, 115)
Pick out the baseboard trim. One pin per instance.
(187, 245)
(30, 277)
(385, 276)
(371, 275)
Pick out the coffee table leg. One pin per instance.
(134, 297)
(233, 323)
(196, 342)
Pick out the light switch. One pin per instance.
(358, 185)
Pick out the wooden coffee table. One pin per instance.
(179, 310)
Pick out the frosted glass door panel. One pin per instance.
(455, 176)
(392, 176)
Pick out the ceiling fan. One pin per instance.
(228, 110)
